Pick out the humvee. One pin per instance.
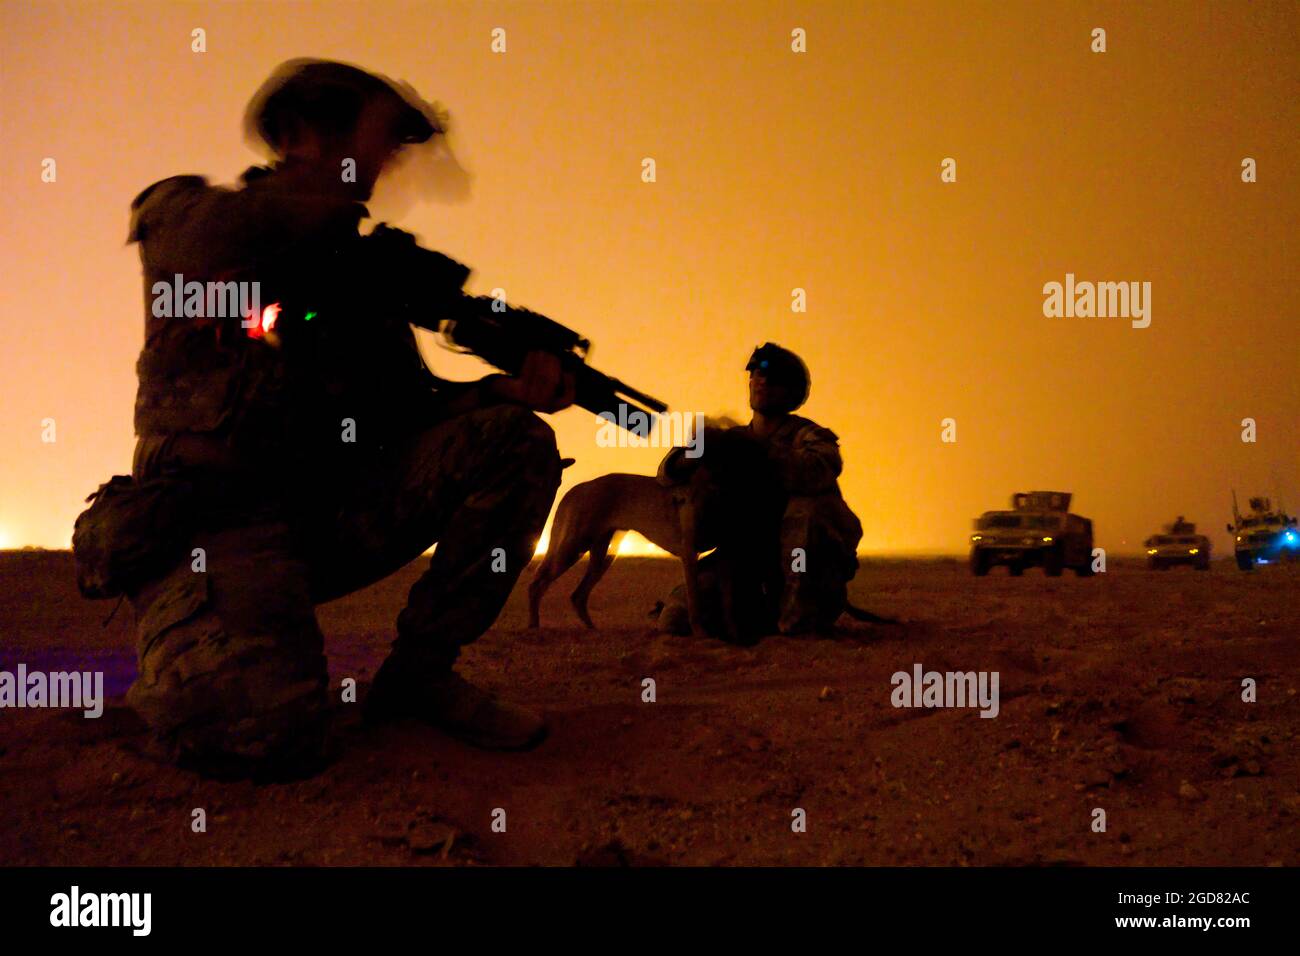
(1178, 543)
(1264, 536)
(1038, 531)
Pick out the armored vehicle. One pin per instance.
(1038, 531)
(1178, 543)
(1264, 536)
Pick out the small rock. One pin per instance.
(1188, 792)
(826, 694)
(428, 838)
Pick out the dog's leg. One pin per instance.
(536, 588)
(690, 568)
(562, 553)
(597, 565)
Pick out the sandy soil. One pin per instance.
(1121, 692)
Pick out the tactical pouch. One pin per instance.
(132, 531)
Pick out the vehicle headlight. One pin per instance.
(1151, 550)
(1047, 540)
(1194, 551)
(975, 537)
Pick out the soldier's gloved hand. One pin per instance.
(542, 384)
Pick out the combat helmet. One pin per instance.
(330, 94)
(782, 367)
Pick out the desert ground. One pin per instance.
(1120, 692)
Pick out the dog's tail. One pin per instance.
(858, 614)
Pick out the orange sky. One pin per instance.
(775, 171)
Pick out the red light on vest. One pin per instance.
(266, 323)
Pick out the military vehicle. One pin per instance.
(1265, 536)
(1038, 531)
(1178, 544)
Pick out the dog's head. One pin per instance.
(731, 456)
(735, 487)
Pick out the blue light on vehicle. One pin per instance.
(1291, 538)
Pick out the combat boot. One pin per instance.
(452, 704)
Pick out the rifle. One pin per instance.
(503, 336)
(419, 282)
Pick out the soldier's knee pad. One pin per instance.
(529, 442)
(512, 431)
(508, 418)
(821, 522)
(522, 429)
(212, 685)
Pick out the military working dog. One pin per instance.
(731, 505)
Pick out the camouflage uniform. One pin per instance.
(230, 660)
(816, 519)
